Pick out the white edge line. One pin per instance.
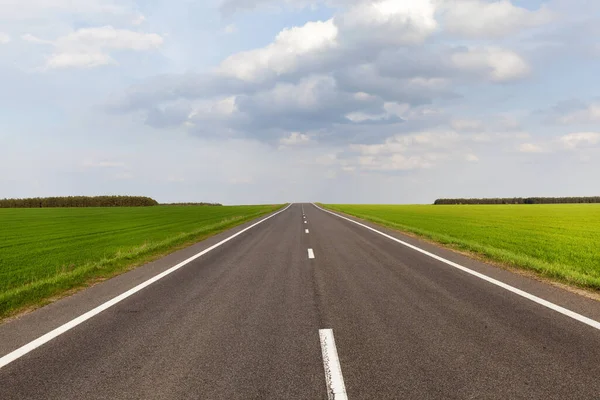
(311, 253)
(336, 390)
(522, 293)
(20, 352)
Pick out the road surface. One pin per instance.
(307, 305)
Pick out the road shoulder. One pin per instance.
(575, 299)
(22, 329)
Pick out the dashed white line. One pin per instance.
(20, 352)
(306, 231)
(306, 222)
(311, 253)
(522, 293)
(336, 390)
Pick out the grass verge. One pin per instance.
(559, 242)
(47, 253)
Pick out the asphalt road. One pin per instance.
(243, 322)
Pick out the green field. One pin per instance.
(45, 252)
(560, 241)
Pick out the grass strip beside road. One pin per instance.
(557, 241)
(46, 253)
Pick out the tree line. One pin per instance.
(79, 201)
(522, 200)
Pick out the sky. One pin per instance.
(271, 101)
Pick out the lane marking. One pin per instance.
(306, 230)
(306, 222)
(311, 253)
(20, 352)
(522, 293)
(336, 390)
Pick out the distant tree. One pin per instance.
(519, 200)
(79, 201)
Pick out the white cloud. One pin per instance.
(589, 114)
(375, 24)
(33, 39)
(79, 60)
(423, 113)
(364, 96)
(387, 22)
(390, 110)
(397, 162)
(424, 150)
(214, 108)
(31, 9)
(399, 110)
(284, 54)
(4, 38)
(403, 143)
(230, 6)
(89, 47)
(324, 73)
(530, 148)
(496, 64)
(312, 94)
(359, 116)
(482, 19)
(307, 95)
(580, 140)
(295, 139)
(110, 38)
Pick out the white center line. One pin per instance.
(336, 390)
(306, 222)
(20, 352)
(519, 292)
(311, 253)
(306, 230)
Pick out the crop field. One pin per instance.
(560, 241)
(45, 252)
